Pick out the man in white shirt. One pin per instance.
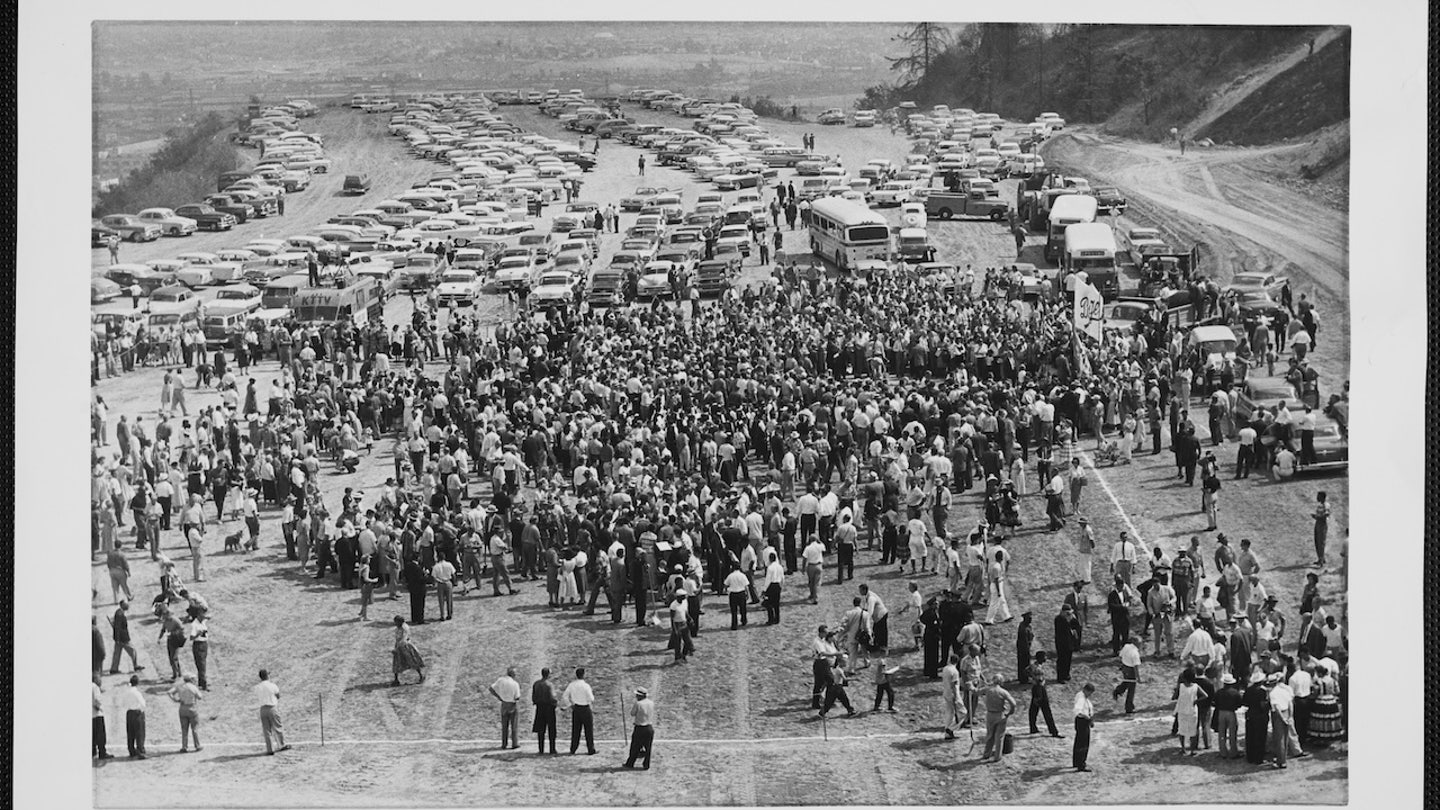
(950, 693)
(132, 702)
(1197, 648)
(97, 713)
(507, 690)
(443, 572)
(808, 510)
(1123, 557)
(267, 698)
(826, 510)
(814, 555)
(1129, 674)
(737, 586)
(578, 697)
(774, 580)
(1300, 684)
(1084, 718)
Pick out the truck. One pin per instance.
(973, 204)
(1036, 195)
(1167, 270)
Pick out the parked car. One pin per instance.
(103, 289)
(1109, 200)
(460, 287)
(1253, 282)
(100, 235)
(655, 280)
(131, 227)
(170, 224)
(207, 217)
(834, 115)
(355, 184)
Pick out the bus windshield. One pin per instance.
(869, 233)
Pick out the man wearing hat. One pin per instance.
(642, 738)
(680, 640)
(1227, 702)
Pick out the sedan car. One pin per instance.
(1265, 392)
(1256, 305)
(239, 294)
(170, 223)
(131, 227)
(642, 195)
(1109, 200)
(655, 280)
(1257, 282)
(100, 235)
(103, 289)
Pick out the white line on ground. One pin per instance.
(741, 741)
(1110, 493)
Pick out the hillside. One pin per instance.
(1230, 85)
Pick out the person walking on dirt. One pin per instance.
(267, 699)
(1018, 231)
(113, 243)
(642, 165)
(405, 656)
(542, 694)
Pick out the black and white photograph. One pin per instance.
(778, 407)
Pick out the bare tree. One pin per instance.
(925, 41)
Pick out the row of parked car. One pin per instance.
(288, 158)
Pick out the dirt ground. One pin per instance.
(734, 725)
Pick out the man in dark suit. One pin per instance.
(1067, 642)
(415, 584)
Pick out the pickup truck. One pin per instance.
(207, 218)
(975, 204)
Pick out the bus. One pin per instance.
(1070, 209)
(846, 232)
(1090, 248)
(360, 302)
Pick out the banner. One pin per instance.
(1089, 309)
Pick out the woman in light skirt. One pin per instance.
(999, 604)
(405, 656)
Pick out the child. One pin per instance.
(883, 683)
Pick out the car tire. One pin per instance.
(945, 213)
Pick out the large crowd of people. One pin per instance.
(649, 456)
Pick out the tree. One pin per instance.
(925, 41)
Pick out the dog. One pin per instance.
(232, 541)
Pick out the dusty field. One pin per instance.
(734, 725)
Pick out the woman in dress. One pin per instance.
(999, 605)
(1326, 720)
(1257, 719)
(405, 656)
(552, 575)
(1187, 713)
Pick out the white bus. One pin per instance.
(846, 233)
(1090, 248)
(1067, 210)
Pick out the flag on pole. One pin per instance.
(1089, 309)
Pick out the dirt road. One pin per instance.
(1243, 222)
